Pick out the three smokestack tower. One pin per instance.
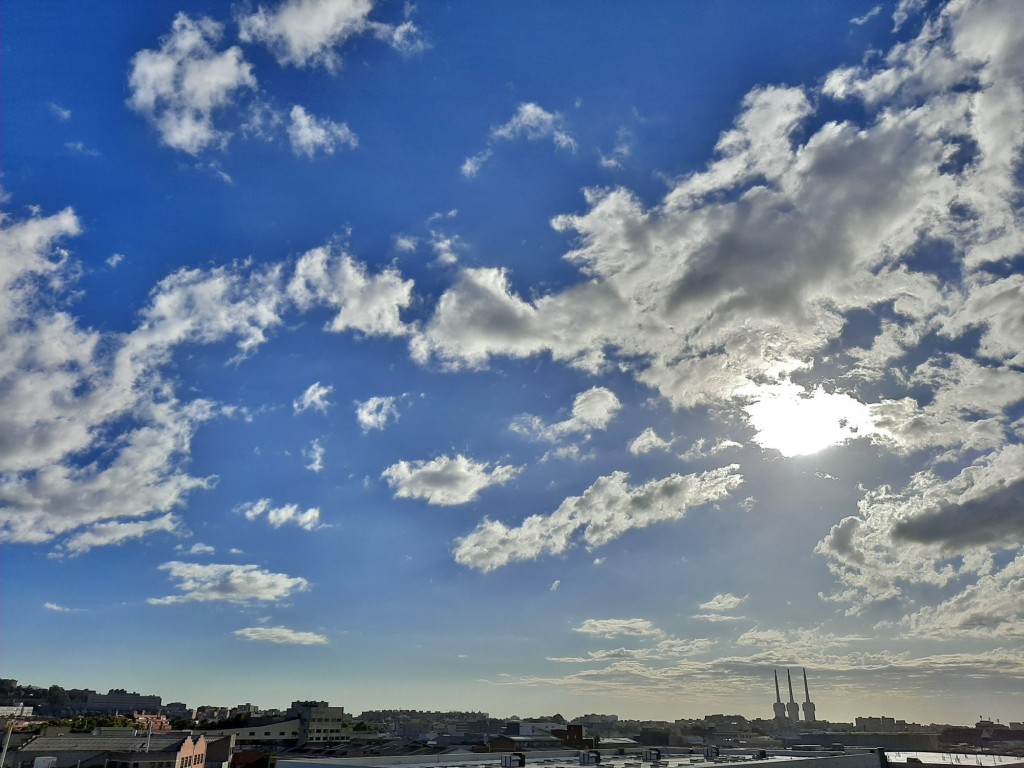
(790, 713)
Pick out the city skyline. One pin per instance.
(544, 357)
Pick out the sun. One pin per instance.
(798, 422)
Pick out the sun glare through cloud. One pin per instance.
(796, 422)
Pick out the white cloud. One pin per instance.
(530, 122)
(907, 537)
(308, 32)
(115, 533)
(305, 32)
(471, 165)
(648, 441)
(605, 511)
(114, 259)
(555, 585)
(309, 134)
(180, 87)
(591, 410)
(315, 397)
(228, 583)
(702, 448)
(989, 608)
(201, 549)
(314, 456)
(376, 412)
(862, 20)
(623, 149)
(446, 480)
(281, 635)
(63, 387)
(288, 514)
(535, 123)
(81, 148)
(610, 628)
(367, 303)
(723, 602)
(59, 112)
(56, 608)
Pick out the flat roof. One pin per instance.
(953, 759)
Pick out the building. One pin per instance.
(137, 749)
(119, 700)
(150, 722)
(319, 722)
(262, 732)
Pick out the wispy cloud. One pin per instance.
(281, 636)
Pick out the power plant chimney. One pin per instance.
(779, 707)
(792, 709)
(808, 704)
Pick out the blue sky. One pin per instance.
(521, 357)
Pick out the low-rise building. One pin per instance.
(138, 749)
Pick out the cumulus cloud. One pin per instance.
(201, 549)
(228, 583)
(367, 303)
(605, 511)
(281, 636)
(907, 537)
(446, 480)
(591, 410)
(648, 441)
(376, 412)
(181, 86)
(309, 134)
(315, 397)
(288, 514)
(63, 387)
(306, 33)
(989, 608)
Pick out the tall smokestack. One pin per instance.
(809, 714)
(779, 707)
(792, 709)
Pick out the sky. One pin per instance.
(515, 357)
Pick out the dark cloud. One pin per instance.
(994, 519)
